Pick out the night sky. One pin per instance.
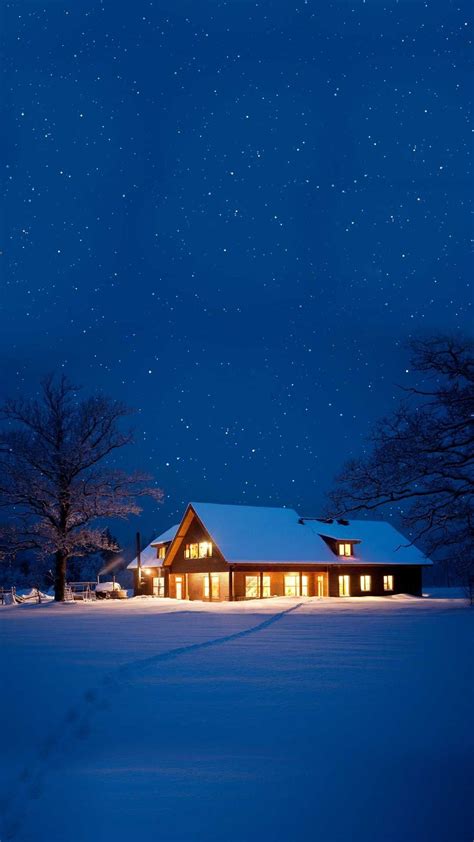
(233, 216)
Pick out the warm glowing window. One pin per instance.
(191, 550)
(161, 552)
(159, 586)
(344, 587)
(388, 583)
(365, 583)
(201, 550)
(252, 586)
(214, 586)
(345, 549)
(205, 549)
(292, 584)
(179, 587)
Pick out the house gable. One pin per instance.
(192, 531)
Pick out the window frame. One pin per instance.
(344, 579)
(198, 549)
(215, 586)
(388, 576)
(293, 575)
(345, 549)
(255, 590)
(266, 583)
(363, 582)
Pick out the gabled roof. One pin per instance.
(148, 556)
(267, 535)
(256, 533)
(259, 534)
(165, 537)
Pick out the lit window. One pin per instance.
(292, 584)
(190, 551)
(159, 586)
(201, 550)
(365, 583)
(388, 583)
(214, 586)
(344, 588)
(205, 549)
(345, 549)
(252, 588)
(161, 552)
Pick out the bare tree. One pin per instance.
(421, 458)
(56, 480)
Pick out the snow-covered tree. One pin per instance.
(420, 459)
(57, 482)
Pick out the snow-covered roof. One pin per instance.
(380, 542)
(165, 537)
(259, 534)
(149, 556)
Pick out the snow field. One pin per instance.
(265, 720)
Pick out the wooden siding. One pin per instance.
(405, 580)
(277, 579)
(194, 535)
(196, 586)
(146, 588)
(194, 571)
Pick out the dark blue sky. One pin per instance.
(233, 216)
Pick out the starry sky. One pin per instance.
(233, 216)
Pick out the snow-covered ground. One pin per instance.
(157, 720)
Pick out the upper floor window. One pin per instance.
(201, 550)
(344, 549)
(161, 552)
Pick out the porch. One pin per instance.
(246, 584)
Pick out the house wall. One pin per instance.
(277, 580)
(146, 588)
(196, 586)
(195, 534)
(405, 579)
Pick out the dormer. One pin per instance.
(345, 549)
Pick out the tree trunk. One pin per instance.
(60, 576)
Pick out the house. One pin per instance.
(226, 552)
